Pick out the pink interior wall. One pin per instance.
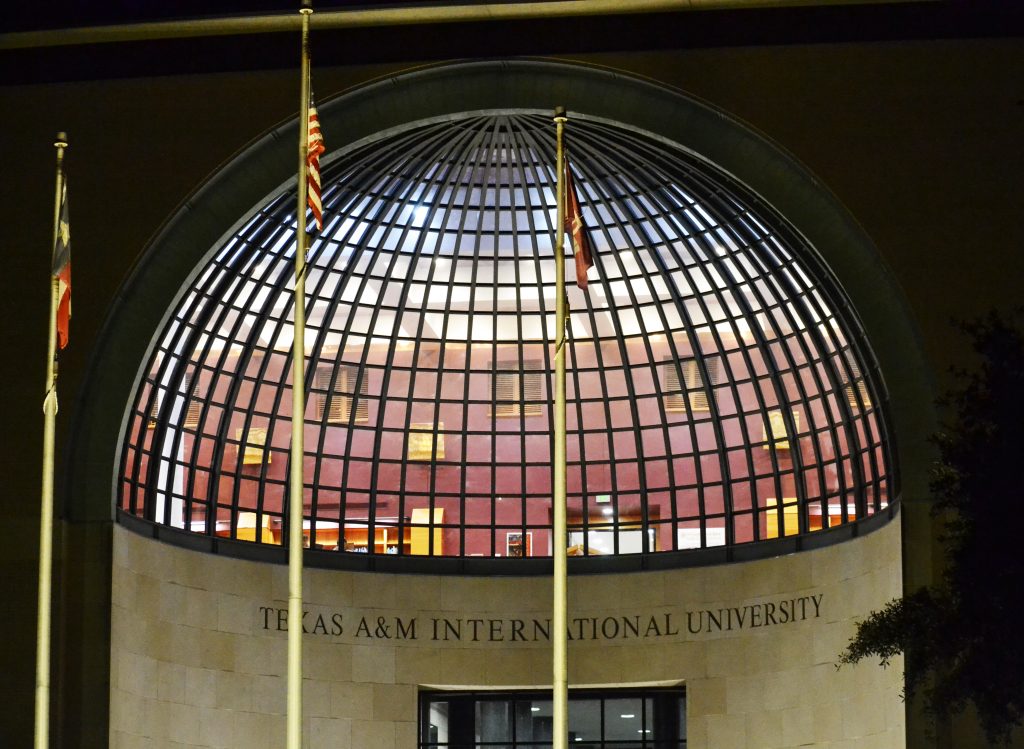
(504, 472)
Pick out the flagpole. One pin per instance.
(560, 655)
(42, 729)
(295, 502)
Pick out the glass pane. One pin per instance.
(624, 719)
(533, 721)
(493, 721)
(435, 728)
(584, 721)
(682, 718)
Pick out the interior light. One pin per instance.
(419, 215)
(627, 715)
(608, 511)
(535, 709)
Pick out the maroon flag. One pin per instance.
(62, 269)
(576, 230)
(314, 147)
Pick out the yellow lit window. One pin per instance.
(774, 432)
(255, 445)
(422, 441)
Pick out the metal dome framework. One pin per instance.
(720, 390)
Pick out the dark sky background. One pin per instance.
(942, 19)
(21, 16)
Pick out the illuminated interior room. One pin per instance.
(429, 328)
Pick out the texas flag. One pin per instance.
(62, 269)
(576, 229)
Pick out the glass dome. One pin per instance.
(719, 388)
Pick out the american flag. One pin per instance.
(576, 229)
(62, 269)
(314, 147)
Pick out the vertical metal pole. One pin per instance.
(42, 726)
(560, 656)
(295, 477)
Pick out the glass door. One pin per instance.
(606, 719)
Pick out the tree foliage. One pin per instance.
(961, 637)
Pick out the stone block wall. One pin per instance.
(199, 646)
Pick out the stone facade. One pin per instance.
(199, 646)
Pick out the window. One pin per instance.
(856, 388)
(337, 401)
(154, 410)
(510, 720)
(694, 384)
(519, 392)
(426, 442)
(193, 406)
(773, 431)
(254, 447)
(790, 517)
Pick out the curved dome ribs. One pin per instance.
(401, 173)
(720, 391)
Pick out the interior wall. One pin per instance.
(817, 458)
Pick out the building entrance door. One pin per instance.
(605, 719)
